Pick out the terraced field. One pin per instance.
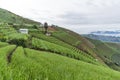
(2, 44)
(51, 39)
(109, 52)
(8, 32)
(64, 36)
(6, 29)
(44, 45)
(65, 62)
(28, 64)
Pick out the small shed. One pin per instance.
(48, 34)
(24, 31)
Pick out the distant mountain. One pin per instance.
(103, 37)
(107, 33)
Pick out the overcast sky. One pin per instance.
(72, 14)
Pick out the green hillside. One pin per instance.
(28, 64)
(9, 17)
(109, 52)
(63, 55)
(77, 41)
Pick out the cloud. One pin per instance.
(66, 12)
(96, 12)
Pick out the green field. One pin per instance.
(28, 64)
(40, 44)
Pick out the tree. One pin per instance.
(34, 26)
(46, 27)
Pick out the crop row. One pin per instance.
(4, 70)
(57, 67)
(2, 44)
(28, 64)
(17, 36)
(25, 68)
(58, 42)
(66, 37)
(44, 45)
(51, 39)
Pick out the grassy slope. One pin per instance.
(77, 41)
(6, 16)
(115, 46)
(64, 67)
(45, 45)
(46, 66)
(106, 51)
(2, 44)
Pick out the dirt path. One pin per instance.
(10, 55)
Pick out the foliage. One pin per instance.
(41, 44)
(18, 42)
(66, 37)
(2, 44)
(4, 68)
(28, 64)
(8, 17)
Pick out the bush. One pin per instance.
(18, 42)
(34, 26)
(3, 39)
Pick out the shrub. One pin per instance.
(3, 39)
(18, 42)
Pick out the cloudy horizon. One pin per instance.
(77, 15)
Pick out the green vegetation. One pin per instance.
(10, 35)
(44, 45)
(109, 52)
(6, 29)
(64, 68)
(4, 69)
(66, 37)
(51, 39)
(25, 68)
(17, 36)
(63, 55)
(2, 44)
(75, 40)
(37, 65)
(8, 17)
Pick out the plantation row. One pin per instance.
(44, 45)
(5, 29)
(2, 44)
(18, 36)
(51, 39)
(4, 70)
(28, 64)
(10, 35)
(66, 37)
(57, 41)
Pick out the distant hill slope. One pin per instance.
(108, 52)
(104, 52)
(9, 17)
(77, 41)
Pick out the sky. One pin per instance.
(82, 16)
